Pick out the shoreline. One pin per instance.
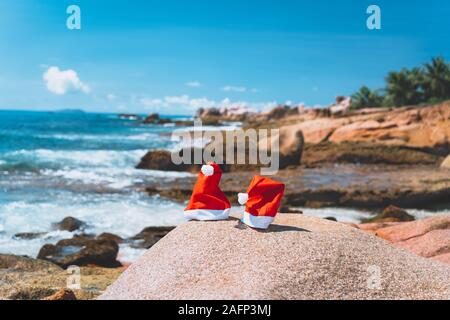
(367, 187)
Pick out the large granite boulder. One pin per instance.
(393, 214)
(298, 257)
(291, 146)
(162, 160)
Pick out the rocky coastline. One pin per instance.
(370, 159)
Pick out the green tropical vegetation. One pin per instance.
(427, 84)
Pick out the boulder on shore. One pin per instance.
(298, 257)
(23, 278)
(393, 214)
(409, 230)
(290, 146)
(23, 263)
(162, 160)
(69, 224)
(149, 236)
(81, 251)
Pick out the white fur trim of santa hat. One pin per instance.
(206, 214)
(207, 170)
(258, 222)
(242, 198)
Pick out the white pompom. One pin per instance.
(207, 170)
(242, 198)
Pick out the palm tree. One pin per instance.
(366, 98)
(404, 87)
(436, 80)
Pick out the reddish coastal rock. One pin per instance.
(408, 230)
(374, 226)
(434, 243)
(63, 294)
(444, 258)
(409, 126)
(417, 126)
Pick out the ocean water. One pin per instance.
(59, 164)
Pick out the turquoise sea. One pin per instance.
(72, 163)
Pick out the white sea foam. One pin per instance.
(116, 178)
(356, 216)
(229, 127)
(124, 215)
(98, 137)
(421, 214)
(105, 158)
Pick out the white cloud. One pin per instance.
(111, 97)
(187, 103)
(60, 82)
(234, 89)
(194, 84)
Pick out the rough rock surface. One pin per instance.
(63, 294)
(162, 160)
(409, 230)
(393, 214)
(29, 235)
(291, 146)
(431, 244)
(444, 258)
(23, 263)
(446, 163)
(409, 126)
(298, 257)
(361, 186)
(419, 126)
(149, 236)
(33, 279)
(374, 226)
(429, 238)
(110, 236)
(70, 224)
(81, 251)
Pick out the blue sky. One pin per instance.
(173, 56)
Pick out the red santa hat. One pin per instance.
(262, 201)
(208, 202)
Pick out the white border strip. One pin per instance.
(259, 222)
(206, 214)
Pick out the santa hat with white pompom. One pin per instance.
(262, 201)
(208, 202)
